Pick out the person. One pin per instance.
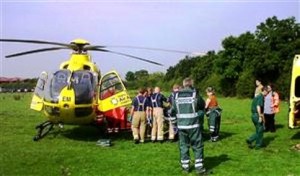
(157, 100)
(271, 107)
(296, 113)
(259, 87)
(148, 94)
(213, 111)
(139, 112)
(171, 120)
(297, 109)
(108, 93)
(112, 123)
(188, 107)
(257, 117)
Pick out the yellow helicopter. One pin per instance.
(77, 93)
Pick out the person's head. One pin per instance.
(270, 87)
(265, 90)
(149, 90)
(176, 88)
(210, 91)
(258, 82)
(187, 82)
(111, 89)
(141, 91)
(156, 90)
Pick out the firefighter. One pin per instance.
(139, 112)
(188, 107)
(171, 120)
(148, 94)
(157, 100)
(213, 113)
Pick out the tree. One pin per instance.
(130, 76)
(141, 74)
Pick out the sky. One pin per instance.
(192, 26)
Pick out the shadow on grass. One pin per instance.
(81, 133)
(268, 140)
(90, 133)
(212, 162)
(278, 126)
(296, 136)
(222, 135)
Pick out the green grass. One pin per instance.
(73, 150)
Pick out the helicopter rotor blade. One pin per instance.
(36, 42)
(123, 54)
(137, 47)
(36, 51)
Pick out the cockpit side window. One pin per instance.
(110, 85)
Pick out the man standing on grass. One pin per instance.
(257, 108)
(139, 112)
(157, 100)
(189, 110)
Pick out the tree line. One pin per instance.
(265, 54)
(26, 85)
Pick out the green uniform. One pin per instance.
(189, 110)
(259, 129)
(214, 122)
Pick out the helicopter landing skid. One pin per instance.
(43, 129)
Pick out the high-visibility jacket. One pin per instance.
(189, 108)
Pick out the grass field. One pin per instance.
(73, 150)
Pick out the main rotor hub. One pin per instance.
(79, 42)
(78, 45)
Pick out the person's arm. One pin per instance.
(131, 111)
(207, 103)
(173, 110)
(259, 109)
(201, 103)
(132, 107)
(260, 114)
(276, 99)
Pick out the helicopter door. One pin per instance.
(37, 99)
(113, 93)
(294, 109)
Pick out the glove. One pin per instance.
(169, 112)
(149, 120)
(130, 119)
(207, 112)
(260, 119)
(173, 120)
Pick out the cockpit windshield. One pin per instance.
(55, 83)
(83, 83)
